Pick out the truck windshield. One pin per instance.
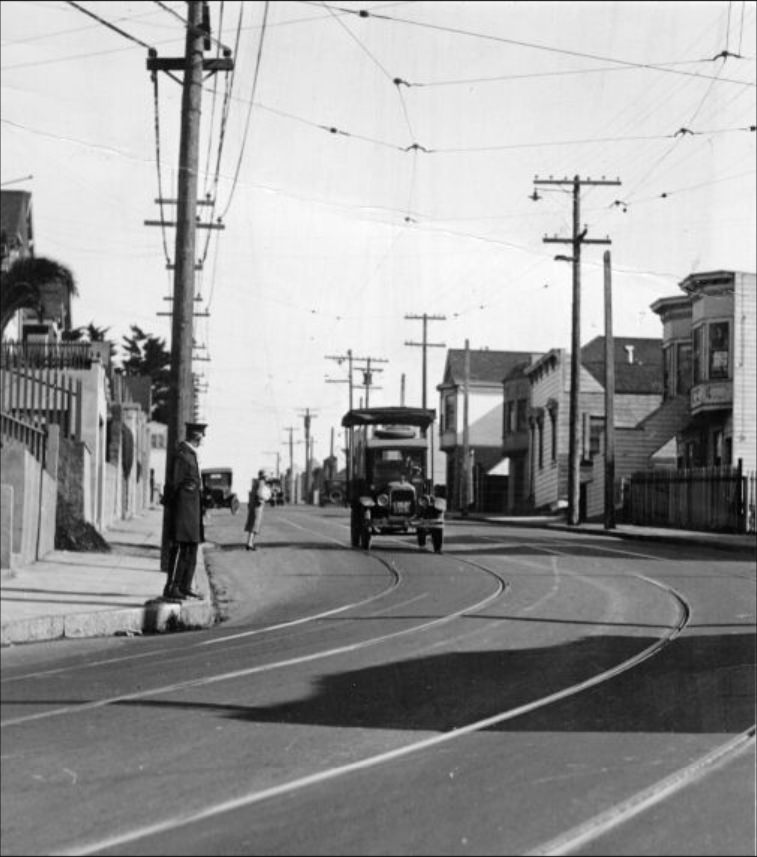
(391, 465)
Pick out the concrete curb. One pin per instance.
(154, 617)
(741, 543)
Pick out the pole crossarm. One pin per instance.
(602, 181)
(180, 63)
(555, 240)
(425, 318)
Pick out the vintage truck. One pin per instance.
(387, 487)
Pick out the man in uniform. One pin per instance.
(185, 503)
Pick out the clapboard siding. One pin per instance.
(745, 371)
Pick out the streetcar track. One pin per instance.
(320, 777)
(602, 823)
(190, 683)
(563, 844)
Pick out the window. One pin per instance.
(450, 413)
(698, 356)
(717, 448)
(553, 428)
(719, 346)
(596, 430)
(540, 429)
(667, 372)
(508, 410)
(683, 370)
(522, 415)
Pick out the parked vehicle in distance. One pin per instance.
(216, 489)
(388, 488)
(277, 491)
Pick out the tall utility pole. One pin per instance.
(466, 436)
(307, 416)
(368, 378)
(579, 238)
(180, 392)
(291, 429)
(425, 344)
(340, 358)
(609, 400)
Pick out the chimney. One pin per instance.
(629, 352)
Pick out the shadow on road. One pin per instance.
(697, 684)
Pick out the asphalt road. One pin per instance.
(525, 692)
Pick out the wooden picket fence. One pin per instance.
(717, 499)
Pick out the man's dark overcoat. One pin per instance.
(187, 496)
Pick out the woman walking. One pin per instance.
(259, 495)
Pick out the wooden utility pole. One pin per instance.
(579, 238)
(368, 371)
(340, 358)
(425, 344)
(307, 416)
(291, 429)
(609, 400)
(180, 377)
(466, 435)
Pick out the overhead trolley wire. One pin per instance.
(364, 13)
(396, 81)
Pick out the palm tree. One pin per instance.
(21, 286)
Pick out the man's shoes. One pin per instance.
(173, 593)
(191, 593)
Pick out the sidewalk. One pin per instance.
(72, 594)
(87, 594)
(741, 542)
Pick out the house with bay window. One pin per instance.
(710, 355)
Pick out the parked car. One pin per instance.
(216, 489)
(277, 491)
(388, 489)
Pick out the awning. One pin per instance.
(502, 468)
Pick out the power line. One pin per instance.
(249, 112)
(108, 24)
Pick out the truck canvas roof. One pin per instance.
(391, 416)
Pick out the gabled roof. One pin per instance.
(638, 363)
(487, 367)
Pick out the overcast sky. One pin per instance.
(417, 202)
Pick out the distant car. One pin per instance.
(277, 492)
(216, 489)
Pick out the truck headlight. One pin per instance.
(382, 500)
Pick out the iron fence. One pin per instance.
(33, 437)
